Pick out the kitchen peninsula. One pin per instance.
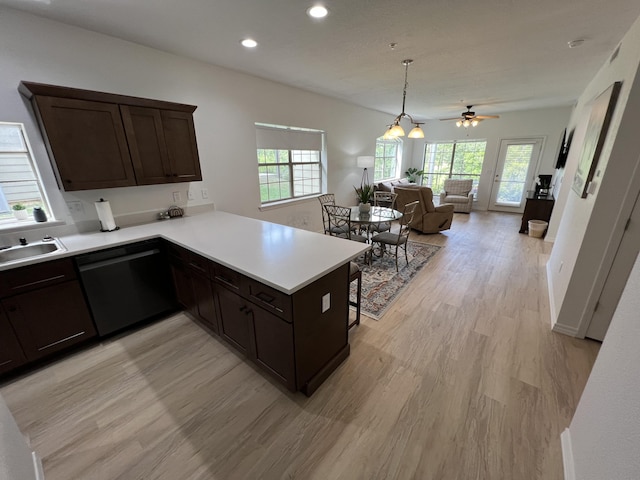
(277, 293)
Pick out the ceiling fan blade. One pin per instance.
(482, 117)
(447, 119)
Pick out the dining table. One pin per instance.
(375, 215)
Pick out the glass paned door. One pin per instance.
(514, 172)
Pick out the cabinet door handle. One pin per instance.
(243, 308)
(265, 297)
(12, 308)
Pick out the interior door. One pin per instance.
(517, 161)
(617, 277)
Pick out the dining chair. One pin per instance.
(400, 239)
(326, 199)
(340, 226)
(383, 199)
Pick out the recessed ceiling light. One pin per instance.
(249, 43)
(318, 11)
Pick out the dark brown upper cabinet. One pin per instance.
(162, 144)
(103, 140)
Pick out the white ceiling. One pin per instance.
(499, 55)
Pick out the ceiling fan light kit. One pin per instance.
(469, 118)
(395, 130)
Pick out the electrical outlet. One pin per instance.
(176, 197)
(190, 195)
(75, 207)
(205, 193)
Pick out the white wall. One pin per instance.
(44, 51)
(589, 230)
(548, 123)
(604, 434)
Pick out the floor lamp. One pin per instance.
(365, 162)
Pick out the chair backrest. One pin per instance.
(458, 187)
(407, 217)
(384, 199)
(339, 219)
(326, 199)
(424, 195)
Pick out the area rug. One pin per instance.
(381, 284)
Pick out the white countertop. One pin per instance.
(285, 258)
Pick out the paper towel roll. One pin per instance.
(107, 223)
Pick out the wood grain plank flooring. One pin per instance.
(461, 379)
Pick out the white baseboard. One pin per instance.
(567, 455)
(566, 330)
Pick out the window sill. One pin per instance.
(10, 226)
(286, 203)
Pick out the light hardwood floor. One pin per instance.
(461, 379)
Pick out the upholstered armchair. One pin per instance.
(427, 218)
(458, 193)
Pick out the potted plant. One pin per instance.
(364, 193)
(413, 174)
(19, 211)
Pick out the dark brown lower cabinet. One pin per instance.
(274, 346)
(235, 318)
(45, 311)
(50, 319)
(203, 303)
(11, 354)
(288, 336)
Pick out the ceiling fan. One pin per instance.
(469, 118)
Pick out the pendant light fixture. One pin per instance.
(395, 130)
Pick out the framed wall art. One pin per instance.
(599, 121)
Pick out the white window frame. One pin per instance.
(379, 161)
(6, 222)
(427, 180)
(292, 142)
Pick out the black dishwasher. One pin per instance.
(126, 285)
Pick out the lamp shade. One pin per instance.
(365, 162)
(416, 132)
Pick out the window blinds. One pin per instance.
(288, 139)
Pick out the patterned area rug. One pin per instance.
(381, 284)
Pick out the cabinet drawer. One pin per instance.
(269, 298)
(178, 252)
(33, 277)
(228, 277)
(200, 264)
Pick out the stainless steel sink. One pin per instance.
(35, 249)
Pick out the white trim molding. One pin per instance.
(567, 455)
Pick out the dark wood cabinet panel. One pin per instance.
(203, 301)
(34, 277)
(87, 142)
(11, 354)
(536, 208)
(182, 284)
(180, 138)
(50, 319)
(235, 317)
(274, 346)
(143, 127)
(103, 140)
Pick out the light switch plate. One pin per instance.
(190, 195)
(326, 302)
(205, 193)
(176, 197)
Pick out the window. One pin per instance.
(387, 159)
(453, 160)
(19, 180)
(289, 162)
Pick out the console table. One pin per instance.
(538, 207)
